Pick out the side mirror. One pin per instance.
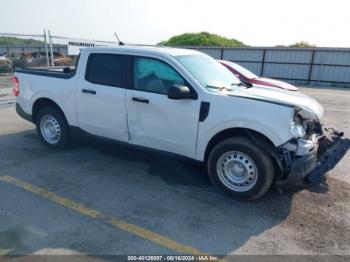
(179, 92)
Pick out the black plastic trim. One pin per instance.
(47, 73)
(204, 111)
(88, 91)
(304, 165)
(141, 100)
(23, 114)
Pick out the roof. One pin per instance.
(145, 49)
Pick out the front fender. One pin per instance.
(275, 134)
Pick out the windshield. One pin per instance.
(242, 70)
(208, 72)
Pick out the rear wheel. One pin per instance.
(52, 128)
(240, 168)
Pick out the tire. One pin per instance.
(52, 128)
(238, 167)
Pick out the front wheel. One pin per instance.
(240, 168)
(52, 128)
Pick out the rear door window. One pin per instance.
(105, 69)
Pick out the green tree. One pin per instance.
(302, 44)
(201, 39)
(8, 41)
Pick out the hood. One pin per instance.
(296, 99)
(274, 83)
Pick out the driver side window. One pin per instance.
(152, 75)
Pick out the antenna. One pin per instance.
(119, 42)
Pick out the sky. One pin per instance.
(254, 22)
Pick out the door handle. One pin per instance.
(141, 100)
(88, 91)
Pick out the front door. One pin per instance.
(154, 120)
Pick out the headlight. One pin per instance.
(297, 130)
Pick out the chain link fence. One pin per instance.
(42, 51)
(31, 51)
(62, 59)
(39, 51)
(19, 51)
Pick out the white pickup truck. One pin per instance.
(179, 101)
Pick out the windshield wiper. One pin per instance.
(245, 84)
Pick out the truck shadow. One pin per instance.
(158, 191)
(177, 170)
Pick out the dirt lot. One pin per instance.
(99, 198)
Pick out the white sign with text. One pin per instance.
(74, 46)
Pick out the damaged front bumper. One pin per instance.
(303, 165)
(303, 157)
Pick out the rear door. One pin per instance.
(100, 97)
(154, 120)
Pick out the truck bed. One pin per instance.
(56, 72)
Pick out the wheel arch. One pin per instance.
(256, 137)
(43, 102)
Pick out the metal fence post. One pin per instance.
(46, 50)
(311, 66)
(263, 63)
(222, 53)
(51, 51)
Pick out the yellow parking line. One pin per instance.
(115, 222)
